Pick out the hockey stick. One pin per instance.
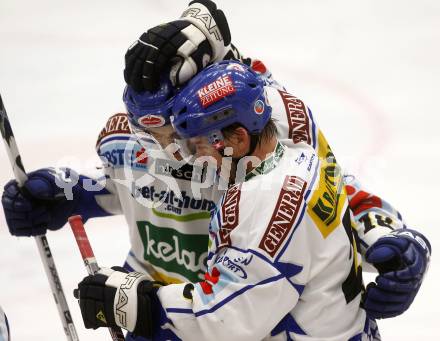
(42, 244)
(90, 261)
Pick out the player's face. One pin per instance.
(164, 137)
(236, 145)
(203, 149)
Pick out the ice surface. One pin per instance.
(369, 70)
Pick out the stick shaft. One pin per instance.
(56, 287)
(42, 243)
(11, 146)
(83, 244)
(89, 260)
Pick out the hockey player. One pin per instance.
(180, 43)
(274, 270)
(168, 239)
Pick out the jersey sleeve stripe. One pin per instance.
(313, 128)
(114, 137)
(238, 293)
(226, 300)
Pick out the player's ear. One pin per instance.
(239, 140)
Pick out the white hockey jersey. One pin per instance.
(168, 224)
(282, 264)
(373, 217)
(168, 232)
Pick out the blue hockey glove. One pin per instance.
(46, 201)
(402, 259)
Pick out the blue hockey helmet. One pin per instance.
(149, 114)
(223, 94)
(150, 109)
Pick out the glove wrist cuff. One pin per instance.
(126, 300)
(200, 16)
(413, 236)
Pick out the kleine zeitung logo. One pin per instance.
(215, 91)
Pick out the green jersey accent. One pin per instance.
(186, 217)
(180, 253)
(268, 164)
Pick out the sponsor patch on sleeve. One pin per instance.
(297, 118)
(284, 214)
(230, 214)
(116, 124)
(215, 91)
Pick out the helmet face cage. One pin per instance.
(152, 135)
(221, 95)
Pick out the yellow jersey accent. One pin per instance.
(329, 197)
(161, 277)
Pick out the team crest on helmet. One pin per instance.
(151, 121)
(259, 107)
